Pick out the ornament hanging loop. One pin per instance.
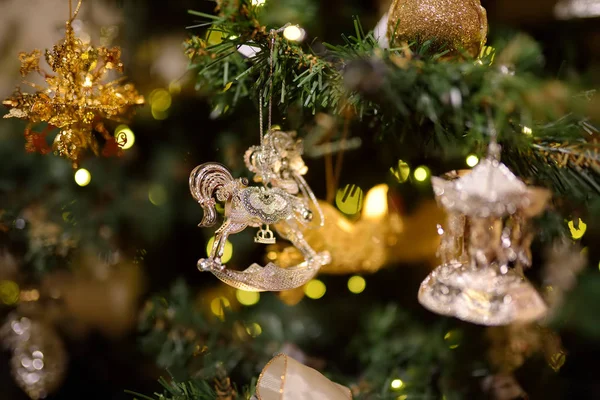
(73, 15)
(272, 34)
(494, 149)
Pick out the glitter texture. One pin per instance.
(76, 99)
(453, 25)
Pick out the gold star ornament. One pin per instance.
(77, 98)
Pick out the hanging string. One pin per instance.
(494, 147)
(271, 51)
(260, 118)
(73, 15)
(272, 34)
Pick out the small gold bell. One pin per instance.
(265, 236)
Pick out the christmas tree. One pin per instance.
(397, 200)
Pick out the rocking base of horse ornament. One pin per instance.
(284, 199)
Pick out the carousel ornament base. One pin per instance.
(482, 296)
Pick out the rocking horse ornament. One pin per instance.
(284, 199)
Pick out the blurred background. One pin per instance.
(133, 222)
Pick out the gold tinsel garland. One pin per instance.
(76, 99)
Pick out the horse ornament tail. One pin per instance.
(256, 207)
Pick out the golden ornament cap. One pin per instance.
(458, 26)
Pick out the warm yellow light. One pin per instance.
(88, 81)
(349, 200)
(29, 295)
(157, 194)
(218, 306)
(315, 289)
(577, 233)
(345, 225)
(421, 174)
(402, 172)
(227, 251)
(254, 329)
(124, 131)
(83, 177)
(159, 115)
(9, 292)
(472, 160)
(160, 99)
(403, 397)
(247, 298)
(376, 204)
(527, 130)
(397, 384)
(357, 284)
(294, 33)
(258, 3)
(174, 87)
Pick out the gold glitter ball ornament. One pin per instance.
(76, 99)
(456, 26)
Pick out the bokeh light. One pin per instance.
(294, 33)
(376, 203)
(527, 130)
(83, 177)
(227, 251)
(160, 101)
(349, 200)
(29, 295)
(472, 160)
(157, 194)
(175, 87)
(452, 338)
(258, 3)
(9, 292)
(402, 172)
(124, 130)
(254, 329)
(218, 306)
(577, 232)
(357, 284)
(397, 384)
(421, 174)
(247, 298)
(315, 289)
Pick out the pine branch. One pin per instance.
(418, 104)
(189, 390)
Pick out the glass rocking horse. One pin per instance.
(283, 201)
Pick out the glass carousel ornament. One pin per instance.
(485, 246)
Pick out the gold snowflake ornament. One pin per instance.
(77, 98)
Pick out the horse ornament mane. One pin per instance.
(283, 199)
